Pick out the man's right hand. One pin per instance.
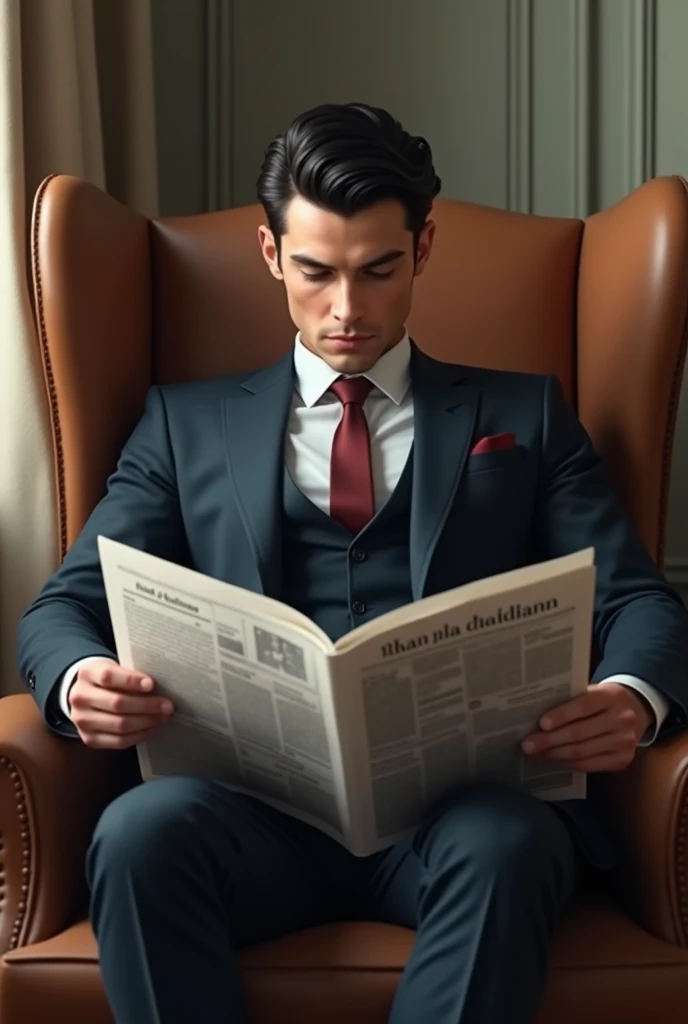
(113, 707)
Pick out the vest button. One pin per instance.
(358, 607)
(358, 555)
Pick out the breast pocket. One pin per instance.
(507, 458)
(488, 528)
(495, 506)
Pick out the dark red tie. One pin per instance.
(352, 500)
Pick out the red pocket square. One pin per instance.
(496, 443)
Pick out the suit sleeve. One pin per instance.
(69, 620)
(640, 622)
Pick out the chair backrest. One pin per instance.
(122, 302)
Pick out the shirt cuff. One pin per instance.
(655, 699)
(68, 680)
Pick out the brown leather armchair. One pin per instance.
(122, 303)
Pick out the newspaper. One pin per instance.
(361, 737)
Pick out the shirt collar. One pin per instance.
(390, 374)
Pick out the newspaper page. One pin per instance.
(249, 680)
(360, 738)
(426, 703)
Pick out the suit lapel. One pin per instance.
(254, 425)
(445, 409)
(444, 414)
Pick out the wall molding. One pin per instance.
(580, 34)
(219, 128)
(519, 128)
(676, 570)
(640, 36)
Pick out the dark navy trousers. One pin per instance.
(183, 872)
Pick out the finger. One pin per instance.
(116, 677)
(110, 741)
(118, 725)
(603, 724)
(595, 700)
(117, 702)
(617, 743)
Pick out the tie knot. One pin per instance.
(352, 389)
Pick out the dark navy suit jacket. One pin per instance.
(200, 482)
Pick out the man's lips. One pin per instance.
(349, 337)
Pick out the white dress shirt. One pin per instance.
(314, 416)
(316, 412)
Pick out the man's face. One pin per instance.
(348, 280)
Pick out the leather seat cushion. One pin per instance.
(603, 968)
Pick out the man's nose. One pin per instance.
(346, 306)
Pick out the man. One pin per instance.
(343, 481)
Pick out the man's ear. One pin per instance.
(424, 248)
(268, 247)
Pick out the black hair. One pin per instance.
(344, 158)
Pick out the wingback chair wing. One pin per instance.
(121, 303)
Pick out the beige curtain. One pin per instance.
(76, 96)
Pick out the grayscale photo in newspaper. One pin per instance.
(359, 738)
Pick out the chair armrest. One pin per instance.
(647, 805)
(52, 791)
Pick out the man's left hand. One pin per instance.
(598, 731)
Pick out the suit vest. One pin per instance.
(340, 581)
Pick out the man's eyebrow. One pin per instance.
(308, 261)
